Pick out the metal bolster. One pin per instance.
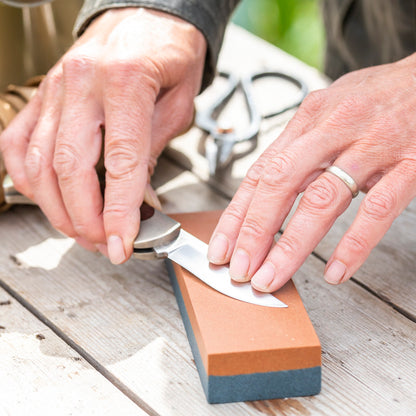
(155, 230)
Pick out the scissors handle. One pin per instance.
(206, 119)
(297, 82)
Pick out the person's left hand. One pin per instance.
(365, 124)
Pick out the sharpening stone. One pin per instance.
(242, 351)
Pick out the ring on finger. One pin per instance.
(347, 179)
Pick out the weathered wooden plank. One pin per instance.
(40, 374)
(369, 349)
(127, 319)
(390, 270)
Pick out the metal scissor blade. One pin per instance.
(191, 253)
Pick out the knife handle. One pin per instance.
(156, 229)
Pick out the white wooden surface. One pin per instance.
(39, 371)
(123, 326)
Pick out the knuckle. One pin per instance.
(253, 228)
(350, 107)
(278, 171)
(120, 72)
(254, 174)
(66, 161)
(234, 213)
(116, 209)
(289, 246)
(122, 160)
(53, 80)
(35, 163)
(356, 243)
(320, 195)
(379, 206)
(61, 224)
(314, 100)
(81, 229)
(77, 62)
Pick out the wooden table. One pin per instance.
(80, 336)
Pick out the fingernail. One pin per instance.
(264, 276)
(115, 249)
(335, 272)
(240, 263)
(102, 248)
(218, 249)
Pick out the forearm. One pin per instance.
(209, 16)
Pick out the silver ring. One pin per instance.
(350, 182)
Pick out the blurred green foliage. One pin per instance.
(293, 25)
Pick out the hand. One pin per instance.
(365, 124)
(133, 72)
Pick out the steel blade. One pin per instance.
(191, 253)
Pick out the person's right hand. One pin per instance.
(134, 72)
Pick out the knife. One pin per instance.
(161, 236)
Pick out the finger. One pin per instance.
(128, 114)
(224, 237)
(77, 151)
(383, 203)
(222, 242)
(14, 142)
(284, 176)
(39, 158)
(173, 114)
(322, 202)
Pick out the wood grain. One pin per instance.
(39, 372)
(125, 319)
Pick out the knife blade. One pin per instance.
(161, 236)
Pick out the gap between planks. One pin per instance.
(84, 354)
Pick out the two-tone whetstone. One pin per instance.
(244, 351)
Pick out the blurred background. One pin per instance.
(293, 25)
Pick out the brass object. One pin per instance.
(3, 205)
(33, 36)
(11, 102)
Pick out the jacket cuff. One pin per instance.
(210, 17)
